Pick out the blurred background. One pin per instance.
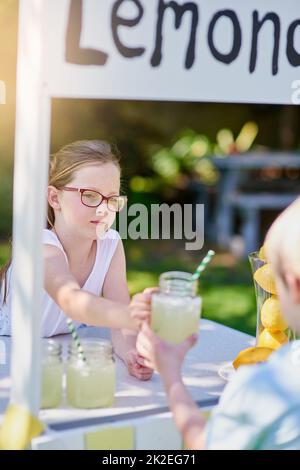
(241, 161)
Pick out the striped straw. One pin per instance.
(203, 265)
(76, 339)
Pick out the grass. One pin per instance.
(226, 287)
(4, 252)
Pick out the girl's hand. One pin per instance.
(134, 363)
(166, 358)
(140, 306)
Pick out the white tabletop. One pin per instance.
(217, 345)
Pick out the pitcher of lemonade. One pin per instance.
(175, 308)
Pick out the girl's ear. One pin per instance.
(53, 198)
(293, 284)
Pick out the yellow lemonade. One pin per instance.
(51, 374)
(91, 383)
(51, 393)
(175, 319)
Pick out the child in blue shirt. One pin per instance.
(260, 407)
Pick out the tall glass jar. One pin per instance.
(176, 309)
(52, 373)
(91, 382)
(272, 330)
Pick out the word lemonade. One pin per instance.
(91, 380)
(271, 328)
(243, 40)
(175, 308)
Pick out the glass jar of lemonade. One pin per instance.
(52, 373)
(176, 308)
(91, 382)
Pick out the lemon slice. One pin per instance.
(272, 339)
(262, 253)
(265, 279)
(271, 316)
(252, 356)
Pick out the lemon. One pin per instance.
(265, 279)
(262, 253)
(272, 339)
(271, 316)
(251, 356)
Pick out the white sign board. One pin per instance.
(201, 50)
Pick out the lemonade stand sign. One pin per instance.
(124, 49)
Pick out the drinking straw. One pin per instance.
(76, 339)
(203, 265)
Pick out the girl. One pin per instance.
(85, 268)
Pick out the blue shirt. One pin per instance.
(260, 407)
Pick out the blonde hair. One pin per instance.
(283, 242)
(62, 166)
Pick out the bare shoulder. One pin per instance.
(114, 238)
(119, 249)
(54, 258)
(118, 261)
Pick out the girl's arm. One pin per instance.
(124, 341)
(83, 306)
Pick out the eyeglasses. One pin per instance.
(91, 198)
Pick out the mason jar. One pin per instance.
(175, 308)
(52, 374)
(91, 381)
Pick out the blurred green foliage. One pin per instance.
(5, 251)
(6, 190)
(183, 159)
(182, 163)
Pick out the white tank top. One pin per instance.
(53, 320)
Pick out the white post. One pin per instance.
(29, 210)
